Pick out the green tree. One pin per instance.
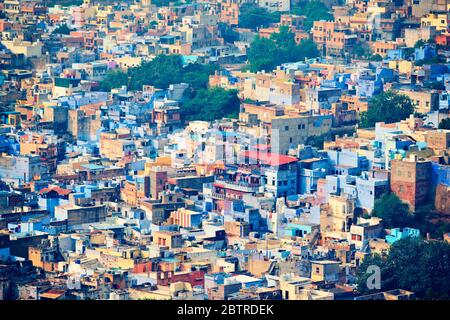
(434, 60)
(419, 44)
(445, 124)
(362, 50)
(434, 85)
(160, 72)
(228, 33)
(200, 103)
(162, 3)
(197, 75)
(363, 273)
(266, 54)
(114, 79)
(316, 141)
(392, 210)
(253, 17)
(63, 3)
(63, 29)
(387, 107)
(415, 265)
(376, 57)
(314, 10)
(211, 104)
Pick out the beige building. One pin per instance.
(326, 270)
(84, 125)
(27, 48)
(290, 131)
(438, 140)
(336, 217)
(113, 146)
(424, 101)
(75, 214)
(299, 288)
(412, 35)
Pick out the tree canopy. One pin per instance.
(314, 11)
(63, 29)
(160, 72)
(252, 17)
(434, 85)
(387, 107)
(200, 102)
(376, 58)
(362, 50)
(211, 104)
(445, 124)
(228, 33)
(419, 44)
(392, 210)
(63, 3)
(267, 54)
(412, 264)
(434, 60)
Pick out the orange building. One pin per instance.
(333, 38)
(411, 180)
(229, 12)
(382, 47)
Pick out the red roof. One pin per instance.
(271, 159)
(58, 190)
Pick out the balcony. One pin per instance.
(218, 196)
(238, 186)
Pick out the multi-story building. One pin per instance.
(336, 217)
(438, 140)
(333, 38)
(439, 20)
(275, 5)
(280, 171)
(424, 101)
(411, 180)
(84, 125)
(21, 168)
(113, 145)
(290, 131)
(229, 12)
(79, 214)
(45, 146)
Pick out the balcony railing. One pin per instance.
(239, 186)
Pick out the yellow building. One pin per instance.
(440, 20)
(27, 48)
(298, 288)
(336, 217)
(159, 162)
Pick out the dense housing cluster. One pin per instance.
(224, 149)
